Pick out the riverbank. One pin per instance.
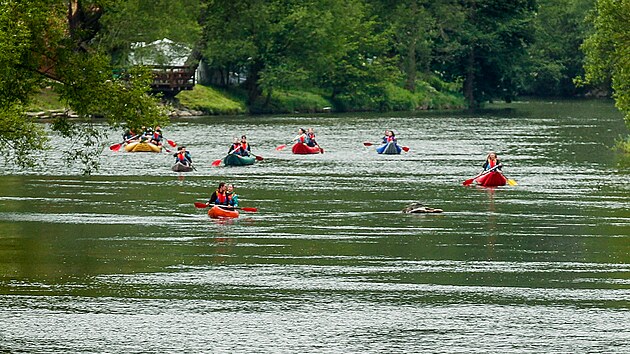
(206, 100)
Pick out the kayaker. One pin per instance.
(156, 137)
(310, 138)
(492, 161)
(386, 136)
(232, 197)
(182, 156)
(235, 147)
(129, 135)
(219, 196)
(244, 149)
(301, 137)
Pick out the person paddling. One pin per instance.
(182, 156)
(301, 137)
(235, 147)
(310, 138)
(219, 196)
(232, 197)
(491, 162)
(244, 148)
(156, 137)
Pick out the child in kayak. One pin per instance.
(492, 161)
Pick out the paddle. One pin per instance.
(469, 181)
(204, 205)
(116, 147)
(367, 143)
(216, 163)
(511, 182)
(281, 147)
(171, 142)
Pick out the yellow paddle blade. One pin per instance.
(511, 182)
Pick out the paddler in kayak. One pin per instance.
(232, 197)
(491, 162)
(301, 137)
(310, 138)
(182, 156)
(241, 147)
(219, 196)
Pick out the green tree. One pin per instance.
(484, 43)
(608, 51)
(51, 42)
(560, 28)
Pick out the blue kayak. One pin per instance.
(390, 148)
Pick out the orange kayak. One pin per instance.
(217, 212)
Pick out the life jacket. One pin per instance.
(181, 157)
(244, 146)
(221, 198)
(311, 136)
(235, 148)
(157, 136)
(390, 139)
(301, 138)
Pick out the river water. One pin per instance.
(122, 261)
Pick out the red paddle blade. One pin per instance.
(171, 142)
(200, 205)
(253, 210)
(321, 150)
(405, 148)
(468, 182)
(216, 163)
(259, 158)
(115, 147)
(367, 143)
(281, 147)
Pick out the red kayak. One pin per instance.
(492, 179)
(303, 149)
(217, 212)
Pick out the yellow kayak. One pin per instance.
(142, 147)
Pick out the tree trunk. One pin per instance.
(251, 84)
(469, 81)
(411, 65)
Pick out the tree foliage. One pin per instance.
(608, 51)
(44, 42)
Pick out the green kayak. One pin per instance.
(237, 160)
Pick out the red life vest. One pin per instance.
(181, 157)
(221, 197)
(243, 146)
(301, 139)
(491, 163)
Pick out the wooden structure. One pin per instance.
(170, 80)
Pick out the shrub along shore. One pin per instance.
(206, 100)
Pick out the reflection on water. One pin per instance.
(122, 261)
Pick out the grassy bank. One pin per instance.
(212, 101)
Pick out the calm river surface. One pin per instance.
(123, 262)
